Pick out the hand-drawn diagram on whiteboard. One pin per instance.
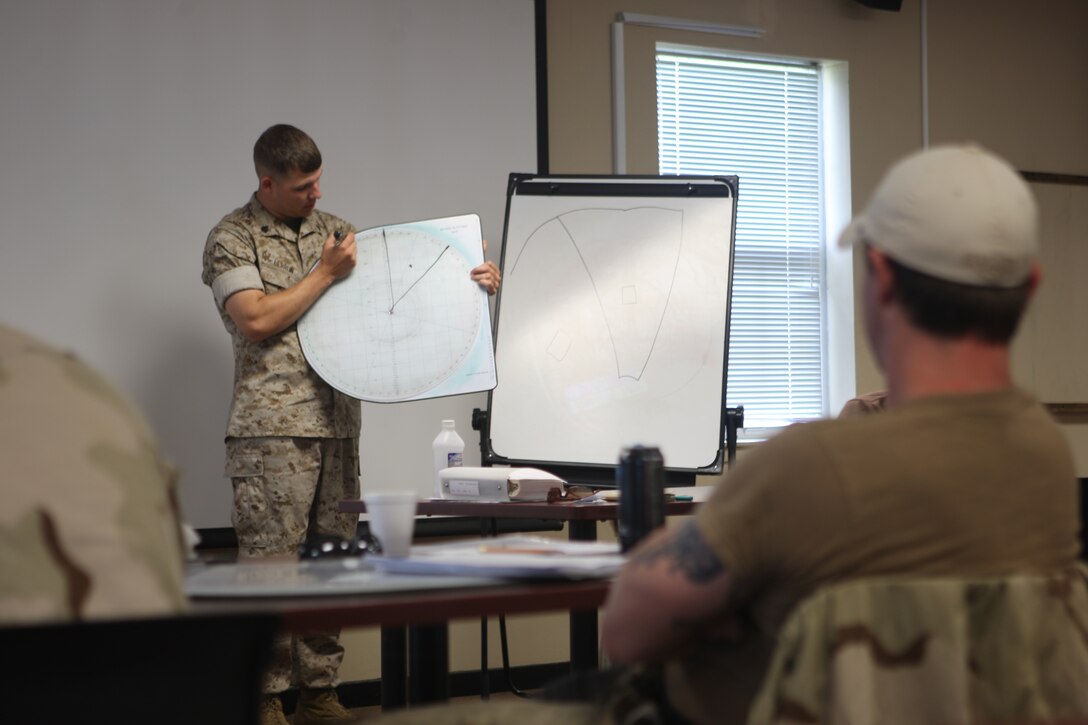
(631, 288)
(613, 320)
(408, 323)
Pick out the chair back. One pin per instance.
(942, 650)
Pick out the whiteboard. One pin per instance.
(409, 322)
(613, 320)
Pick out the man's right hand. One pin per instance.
(337, 260)
(259, 315)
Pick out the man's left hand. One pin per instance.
(487, 275)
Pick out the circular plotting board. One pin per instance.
(408, 322)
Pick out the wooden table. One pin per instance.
(582, 526)
(415, 624)
(302, 614)
(582, 518)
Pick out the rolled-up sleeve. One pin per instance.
(230, 265)
(235, 280)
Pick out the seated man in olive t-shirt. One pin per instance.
(962, 474)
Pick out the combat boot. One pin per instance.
(321, 707)
(271, 712)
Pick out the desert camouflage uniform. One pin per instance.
(275, 392)
(88, 516)
(933, 651)
(292, 440)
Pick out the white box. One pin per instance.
(467, 483)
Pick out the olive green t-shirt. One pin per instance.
(958, 485)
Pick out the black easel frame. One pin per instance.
(680, 187)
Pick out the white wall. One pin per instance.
(126, 132)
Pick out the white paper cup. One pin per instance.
(392, 517)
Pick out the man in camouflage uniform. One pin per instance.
(292, 440)
(88, 520)
(962, 475)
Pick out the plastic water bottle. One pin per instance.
(449, 451)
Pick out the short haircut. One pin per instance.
(283, 148)
(951, 309)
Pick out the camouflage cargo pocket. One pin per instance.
(274, 481)
(250, 513)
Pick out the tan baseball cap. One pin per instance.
(958, 213)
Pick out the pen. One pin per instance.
(339, 237)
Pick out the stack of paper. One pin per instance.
(511, 556)
(280, 578)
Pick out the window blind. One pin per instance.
(759, 121)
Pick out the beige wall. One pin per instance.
(987, 61)
(532, 639)
(987, 64)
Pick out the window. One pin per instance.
(761, 121)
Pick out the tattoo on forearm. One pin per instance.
(686, 552)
